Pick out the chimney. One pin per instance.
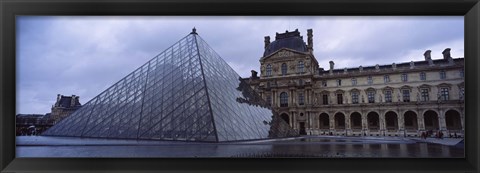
(72, 101)
(267, 41)
(58, 99)
(427, 55)
(310, 40)
(446, 53)
(254, 74)
(331, 66)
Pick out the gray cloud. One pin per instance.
(86, 55)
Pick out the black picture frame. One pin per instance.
(470, 9)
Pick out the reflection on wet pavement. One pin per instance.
(300, 147)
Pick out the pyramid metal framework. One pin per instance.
(187, 92)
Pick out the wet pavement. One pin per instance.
(311, 146)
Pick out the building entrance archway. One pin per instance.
(356, 121)
(339, 121)
(410, 120)
(373, 121)
(391, 121)
(453, 120)
(431, 120)
(324, 121)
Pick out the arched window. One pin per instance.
(300, 67)
(284, 69)
(269, 70)
(283, 99)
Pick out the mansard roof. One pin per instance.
(65, 101)
(291, 40)
(402, 65)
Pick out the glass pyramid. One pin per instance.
(187, 92)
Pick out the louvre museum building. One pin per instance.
(397, 99)
(189, 93)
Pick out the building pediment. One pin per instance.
(282, 53)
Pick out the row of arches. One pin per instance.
(372, 121)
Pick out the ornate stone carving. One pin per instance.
(275, 67)
(291, 66)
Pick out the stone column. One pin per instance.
(332, 122)
(348, 126)
(421, 123)
(441, 121)
(307, 125)
(311, 117)
(307, 97)
(364, 124)
(401, 124)
(382, 122)
(274, 98)
(291, 119)
(291, 99)
(294, 122)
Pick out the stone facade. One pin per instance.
(398, 99)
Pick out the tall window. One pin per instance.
(269, 70)
(424, 93)
(325, 99)
(369, 80)
(283, 99)
(301, 98)
(339, 98)
(404, 77)
(354, 81)
(406, 95)
(284, 69)
(269, 100)
(300, 67)
(339, 82)
(388, 96)
(423, 76)
(324, 83)
(354, 97)
(386, 78)
(371, 97)
(444, 93)
(443, 75)
(462, 73)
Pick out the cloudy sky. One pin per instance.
(85, 55)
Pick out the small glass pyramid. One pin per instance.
(187, 93)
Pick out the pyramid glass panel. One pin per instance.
(187, 92)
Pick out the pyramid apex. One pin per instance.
(194, 31)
